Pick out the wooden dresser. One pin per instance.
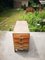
(21, 36)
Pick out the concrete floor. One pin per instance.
(36, 49)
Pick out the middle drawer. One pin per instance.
(21, 40)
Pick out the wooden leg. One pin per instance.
(16, 50)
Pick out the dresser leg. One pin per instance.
(16, 50)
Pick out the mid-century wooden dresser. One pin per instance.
(21, 36)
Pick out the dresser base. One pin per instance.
(25, 50)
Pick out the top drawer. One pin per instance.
(21, 35)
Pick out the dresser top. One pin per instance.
(21, 27)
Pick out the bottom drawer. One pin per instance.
(21, 47)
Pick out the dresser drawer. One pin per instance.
(21, 45)
(18, 46)
(21, 35)
(21, 41)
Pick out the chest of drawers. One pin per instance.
(21, 36)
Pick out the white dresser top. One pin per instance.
(21, 27)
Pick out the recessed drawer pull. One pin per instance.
(21, 39)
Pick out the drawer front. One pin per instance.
(21, 46)
(23, 35)
(18, 46)
(21, 40)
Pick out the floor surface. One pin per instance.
(36, 48)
